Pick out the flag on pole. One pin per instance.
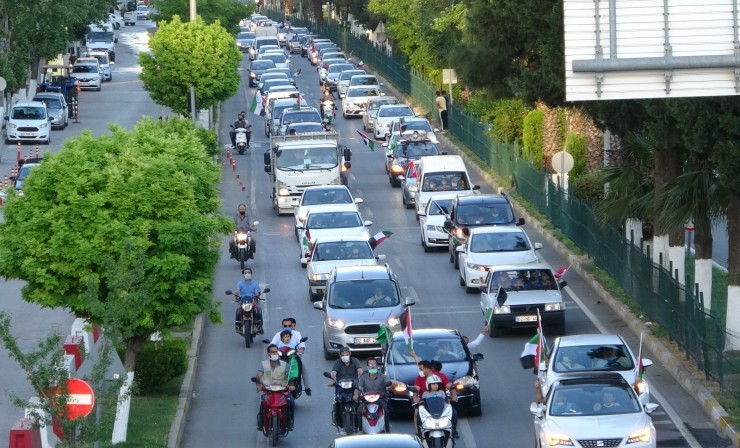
(489, 315)
(258, 105)
(412, 172)
(379, 237)
(307, 242)
(366, 140)
(405, 319)
(541, 359)
(297, 104)
(384, 335)
(501, 296)
(561, 272)
(530, 351)
(640, 368)
(253, 106)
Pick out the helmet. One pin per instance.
(434, 379)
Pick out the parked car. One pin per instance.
(517, 295)
(56, 107)
(88, 72)
(142, 12)
(350, 318)
(584, 353)
(445, 346)
(23, 173)
(331, 252)
(491, 246)
(104, 60)
(592, 410)
(115, 20)
(28, 121)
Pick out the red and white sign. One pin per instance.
(81, 399)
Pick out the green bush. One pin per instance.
(588, 188)
(562, 125)
(480, 106)
(159, 363)
(532, 135)
(576, 145)
(508, 120)
(209, 140)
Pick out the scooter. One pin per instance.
(250, 325)
(243, 244)
(373, 417)
(275, 411)
(295, 366)
(241, 140)
(435, 420)
(328, 109)
(344, 400)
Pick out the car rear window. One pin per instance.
(484, 214)
(342, 250)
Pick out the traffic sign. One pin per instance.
(80, 400)
(562, 162)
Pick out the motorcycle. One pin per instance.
(250, 325)
(241, 140)
(435, 421)
(243, 244)
(275, 411)
(328, 110)
(344, 397)
(373, 416)
(295, 366)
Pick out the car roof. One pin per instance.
(591, 378)
(429, 333)
(376, 440)
(330, 208)
(590, 339)
(326, 187)
(29, 104)
(520, 267)
(371, 272)
(483, 199)
(48, 95)
(496, 229)
(334, 239)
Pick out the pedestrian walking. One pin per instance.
(442, 109)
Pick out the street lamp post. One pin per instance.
(192, 88)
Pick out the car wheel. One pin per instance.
(495, 331)
(327, 356)
(409, 205)
(98, 89)
(403, 199)
(457, 263)
(470, 290)
(462, 280)
(452, 257)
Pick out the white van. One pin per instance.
(441, 175)
(28, 121)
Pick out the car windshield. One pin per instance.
(442, 349)
(375, 104)
(262, 64)
(272, 83)
(524, 279)
(303, 116)
(278, 110)
(245, 36)
(100, 36)
(276, 58)
(333, 220)
(593, 399)
(364, 81)
(415, 150)
(358, 294)
(334, 196)
(439, 206)
(51, 103)
(338, 68)
(342, 250)
(592, 357)
(447, 181)
(499, 242)
(484, 214)
(414, 125)
(307, 159)
(362, 92)
(28, 113)
(301, 128)
(269, 76)
(84, 68)
(395, 111)
(347, 74)
(24, 171)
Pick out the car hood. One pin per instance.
(598, 426)
(324, 267)
(408, 372)
(500, 258)
(343, 231)
(435, 220)
(356, 316)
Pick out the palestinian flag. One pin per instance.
(307, 243)
(530, 352)
(384, 335)
(489, 315)
(297, 104)
(413, 173)
(379, 238)
(366, 140)
(258, 105)
(405, 319)
(561, 272)
(640, 374)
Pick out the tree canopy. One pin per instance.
(190, 54)
(227, 12)
(129, 218)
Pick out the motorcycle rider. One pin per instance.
(289, 323)
(346, 367)
(435, 388)
(273, 371)
(248, 290)
(241, 122)
(327, 96)
(426, 369)
(244, 223)
(373, 381)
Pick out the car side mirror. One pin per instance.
(304, 260)
(537, 246)
(268, 169)
(380, 257)
(476, 187)
(401, 178)
(460, 249)
(359, 200)
(478, 357)
(483, 288)
(650, 407)
(647, 362)
(520, 222)
(563, 284)
(319, 305)
(421, 214)
(409, 301)
(537, 409)
(368, 223)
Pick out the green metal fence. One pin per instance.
(653, 288)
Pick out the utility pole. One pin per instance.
(193, 108)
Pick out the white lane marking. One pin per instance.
(672, 414)
(463, 429)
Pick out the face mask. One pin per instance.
(372, 371)
(421, 373)
(242, 212)
(345, 358)
(247, 276)
(274, 357)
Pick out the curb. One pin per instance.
(704, 396)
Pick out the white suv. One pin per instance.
(88, 72)
(28, 121)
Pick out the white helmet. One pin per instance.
(434, 379)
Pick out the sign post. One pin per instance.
(449, 77)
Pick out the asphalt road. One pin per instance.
(224, 405)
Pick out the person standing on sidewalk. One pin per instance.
(442, 109)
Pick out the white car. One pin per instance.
(28, 121)
(331, 220)
(280, 59)
(321, 195)
(331, 252)
(104, 60)
(142, 12)
(88, 72)
(355, 99)
(432, 221)
(344, 78)
(387, 114)
(489, 246)
(594, 353)
(115, 20)
(411, 124)
(593, 411)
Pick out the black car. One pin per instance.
(376, 440)
(458, 364)
(466, 212)
(404, 150)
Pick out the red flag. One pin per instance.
(541, 354)
(412, 170)
(561, 272)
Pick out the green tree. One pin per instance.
(146, 198)
(190, 54)
(227, 12)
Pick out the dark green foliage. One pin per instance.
(209, 139)
(508, 120)
(159, 363)
(576, 145)
(534, 124)
(587, 188)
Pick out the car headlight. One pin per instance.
(412, 188)
(302, 217)
(317, 277)
(252, 74)
(12, 126)
(382, 125)
(335, 323)
(465, 381)
(558, 440)
(642, 436)
(283, 192)
(43, 125)
(330, 79)
(553, 306)
(59, 114)
(394, 321)
(433, 228)
(505, 309)
(396, 168)
(476, 267)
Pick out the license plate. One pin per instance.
(365, 341)
(526, 318)
(27, 134)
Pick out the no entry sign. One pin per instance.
(81, 399)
